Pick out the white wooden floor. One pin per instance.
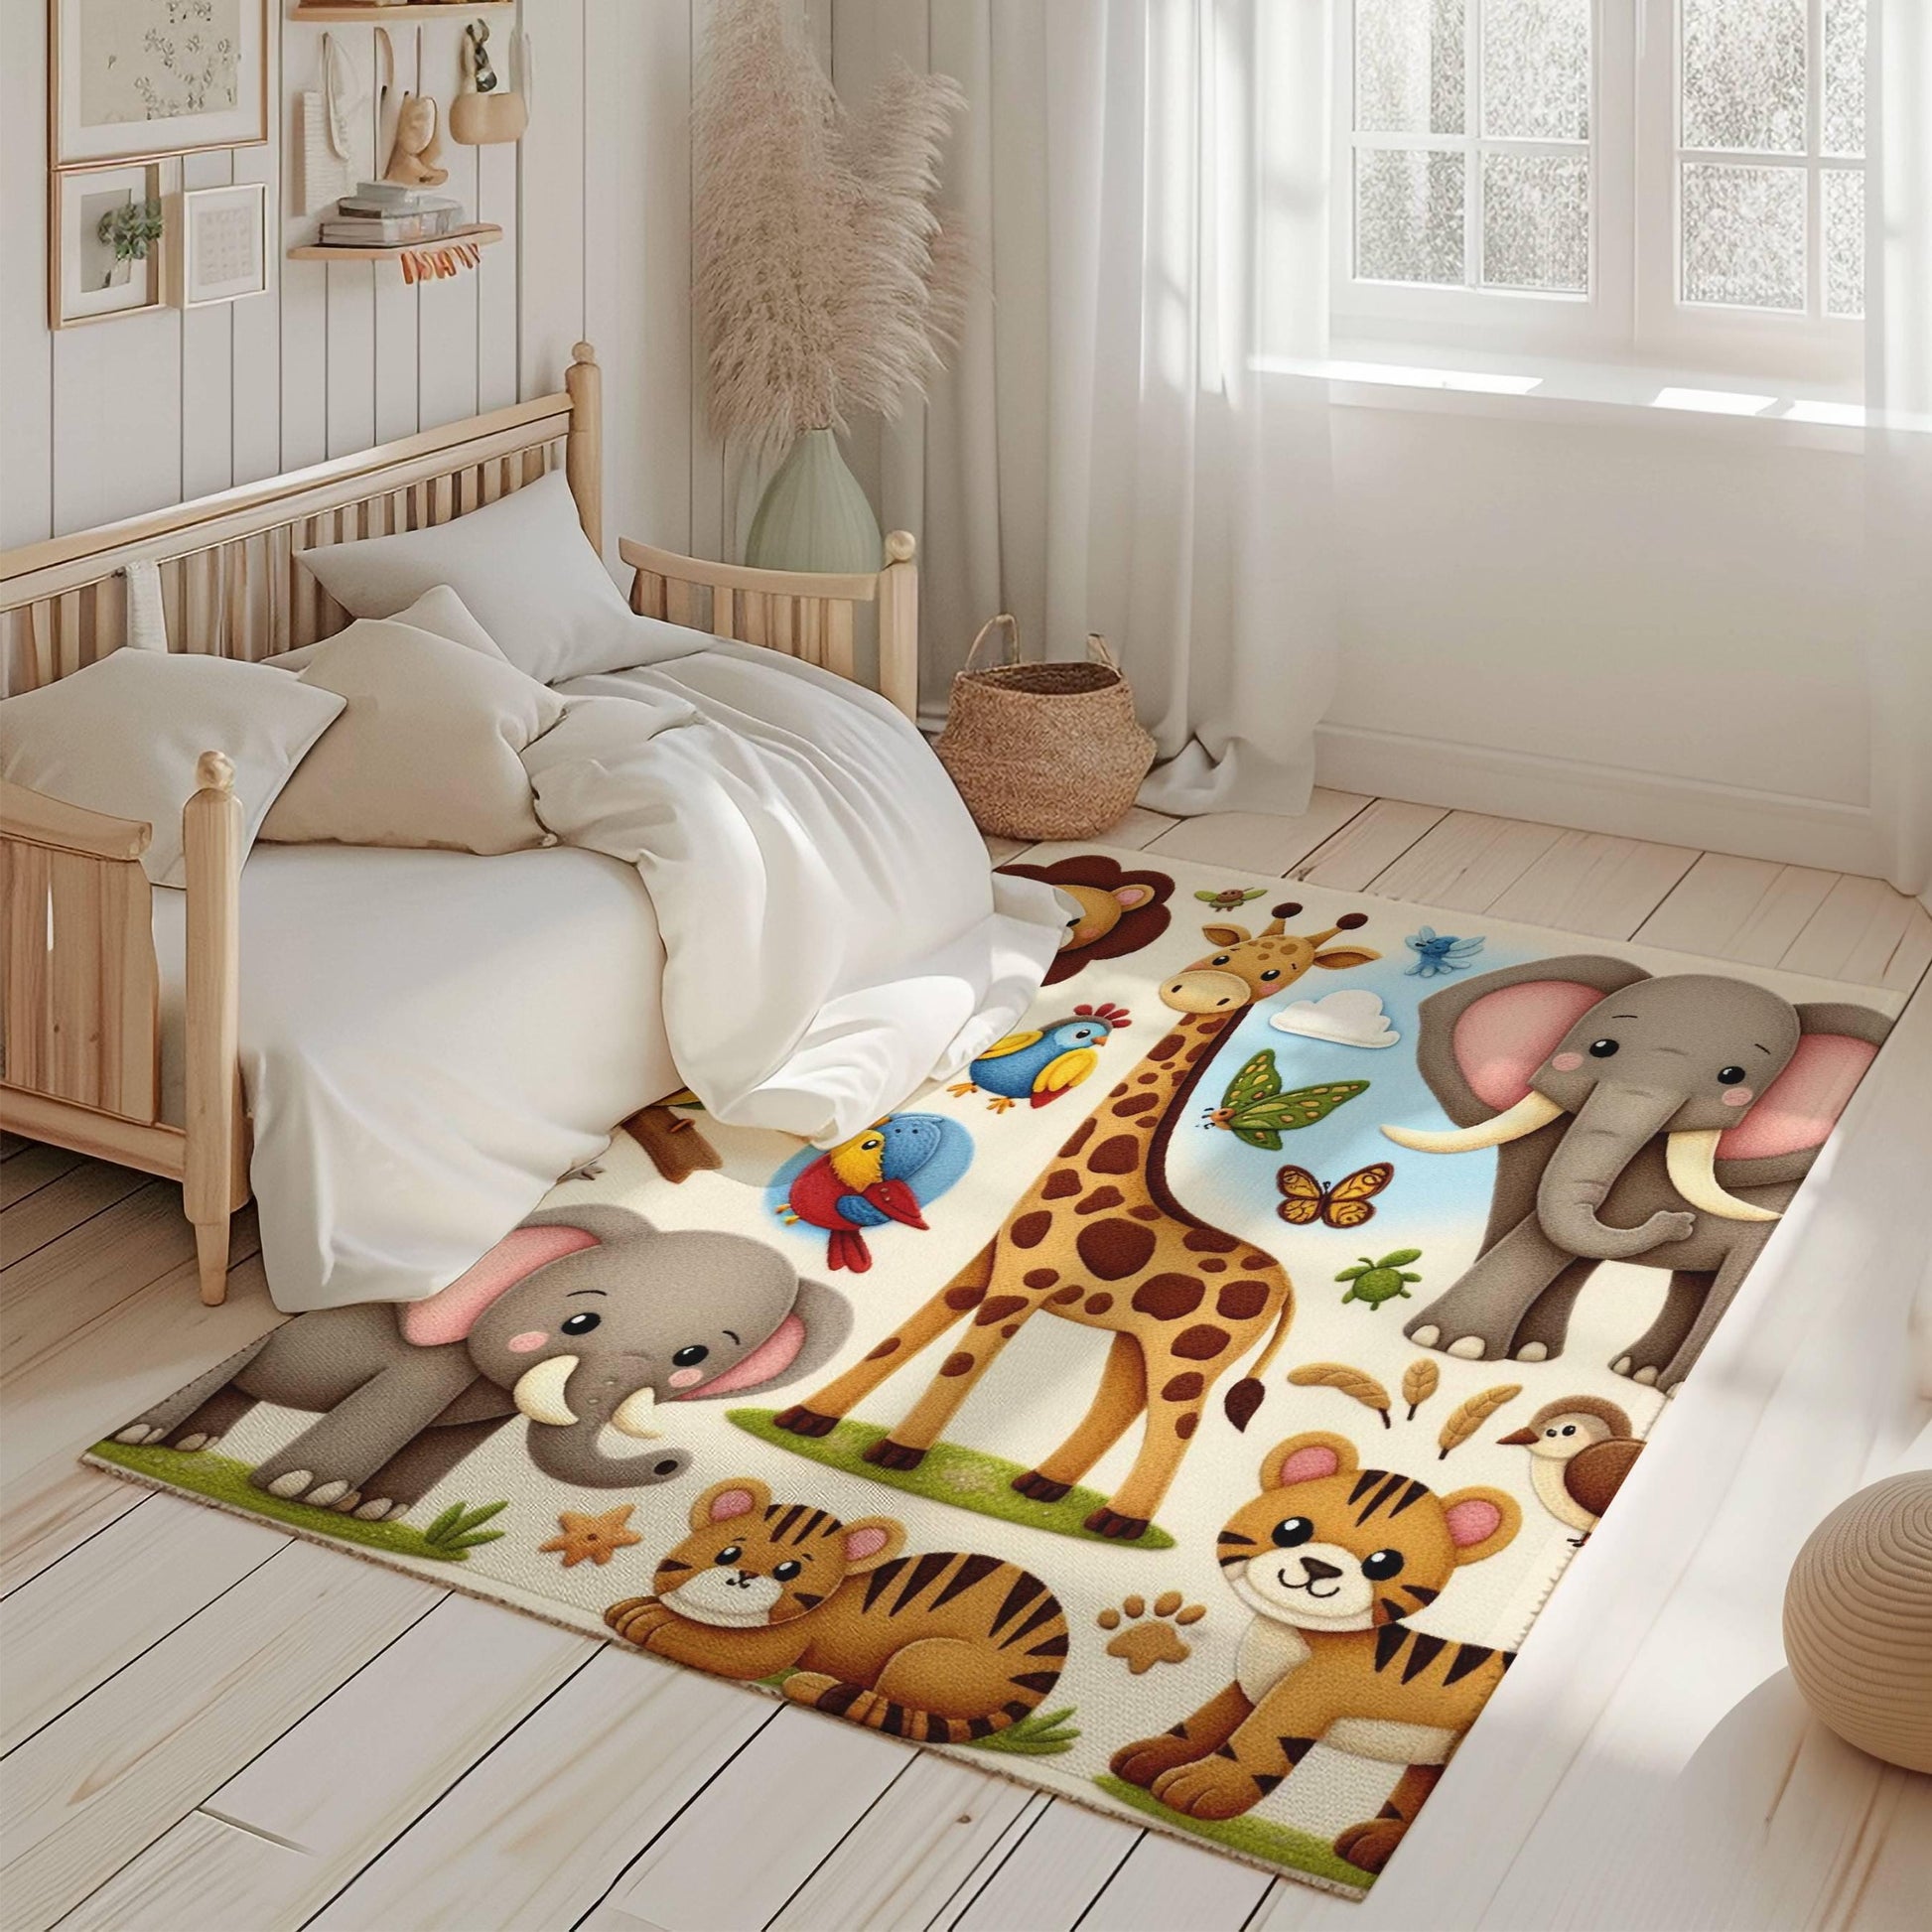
(210, 1726)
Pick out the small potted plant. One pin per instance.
(129, 231)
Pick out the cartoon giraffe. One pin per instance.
(1100, 1239)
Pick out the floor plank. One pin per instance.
(543, 1825)
(1369, 843)
(1165, 1883)
(1260, 841)
(202, 1875)
(797, 1788)
(1138, 828)
(1589, 883)
(1466, 863)
(37, 1166)
(113, 1772)
(911, 1852)
(1913, 958)
(1707, 907)
(1050, 1876)
(1851, 933)
(64, 1200)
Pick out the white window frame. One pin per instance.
(1631, 313)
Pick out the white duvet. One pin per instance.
(833, 935)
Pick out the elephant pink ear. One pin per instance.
(451, 1313)
(1501, 1039)
(765, 1363)
(1799, 1109)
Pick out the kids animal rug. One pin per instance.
(1189, 1411)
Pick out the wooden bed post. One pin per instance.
(584, 447)
(214, 1176)
(899, 625)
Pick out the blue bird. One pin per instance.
(1040, 1065)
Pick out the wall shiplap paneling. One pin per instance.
(128, 416)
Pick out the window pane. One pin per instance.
(1408, 66)
(1536, 221)
(1408, 215)
(1843, 241)
(1745, 74)
(1845, 77)
(1745, 235)
(1536, 70)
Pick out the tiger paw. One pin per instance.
(1142, 1641)
(1370, 1846)
(1212, 1787)
(1145, 1758)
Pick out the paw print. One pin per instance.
(1141, 1642)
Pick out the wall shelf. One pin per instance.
(319, 13)
(478, 234)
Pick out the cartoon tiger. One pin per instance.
(1331, 1558)
(939, 1648)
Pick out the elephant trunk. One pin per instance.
(1613, 1127)
(569, 1403)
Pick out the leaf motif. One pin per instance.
(1419, 1382)
(1257, 1080)
(1353, 1382)
(1467, 1417)
(1401, 1258)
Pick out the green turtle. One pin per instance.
(1376, 1282)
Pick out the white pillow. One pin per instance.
(122, 737)
(524, 569)
(440, 612)
(427, 752)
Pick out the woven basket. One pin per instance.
(1044, 751)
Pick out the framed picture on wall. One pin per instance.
(220, 244)
(133, 78)
(107, 227)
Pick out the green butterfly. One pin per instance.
(1259, 1113)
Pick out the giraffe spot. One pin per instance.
(1077, 1139)
(1242, 1301)
(1209, 1241)
(1069, 1294)
(1211, 1265)
(1137, 1103)
(1196, 1051)
(968, 1295)
(1185, 1388)
(1098, 1305)
(1120, 1155)
(1169, 1047)
(1184, 1426)
(1115, 1249)
(1257, 1261)
(1201, 1343)
(956, 1364)
(1147, 1211)
(886, 1347)
(1009, 1329)
(998, 1309)
(1060, 1184)
(1030, 1230)
(1041, 1276)
(1099, 1198)
(1145, 1080)
(1167, 1297)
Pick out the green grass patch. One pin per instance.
(966, 1479)
(1253, 1838)
(222, 1479)
(1040, 1733)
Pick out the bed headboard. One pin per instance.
(231, 585)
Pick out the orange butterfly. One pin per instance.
(1345, 1204)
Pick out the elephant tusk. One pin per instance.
(636, 1414)
(1691, 1158)
(540, 1393)
(1534, 1110)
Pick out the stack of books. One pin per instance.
(380, 214)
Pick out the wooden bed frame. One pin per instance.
(80, 986)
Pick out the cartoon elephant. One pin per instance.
(1664, 1120)
(578, 1318)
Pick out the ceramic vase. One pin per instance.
(813, 516)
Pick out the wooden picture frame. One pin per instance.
(134, 79)
(218, 244)
(85, 280)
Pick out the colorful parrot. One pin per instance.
(865, 1182)
(1042, 1065)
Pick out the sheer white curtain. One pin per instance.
(1150, 180)
(1898, 456)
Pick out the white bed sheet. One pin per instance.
(428, 1040)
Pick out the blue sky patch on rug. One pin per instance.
(1376, 1238)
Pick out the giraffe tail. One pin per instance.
(1241, 1401)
